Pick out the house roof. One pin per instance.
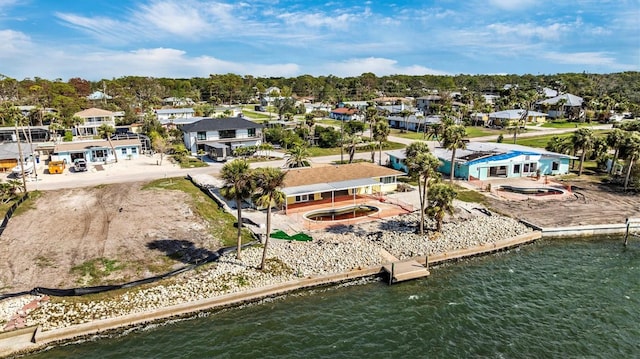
(168, 111)
(515, 114)
(217, 124)
(85, 145)
(99, 95)
(336, 173)
(570, 100)
(10, 150)
(345, 111)
(490, 151)
(94, 112)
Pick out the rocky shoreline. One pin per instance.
(333, 251)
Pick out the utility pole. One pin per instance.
(21, 160)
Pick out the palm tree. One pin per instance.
(380, 133)
(582, 140)
(519, 125)
(298, 157)
(441, 202)
(615, 140)
(105, 131)
(268, 181)
(422, 166)
(371, 117)
(631, 149)
(453, 139)
(351, 142)
(237, 186)
(404, 114)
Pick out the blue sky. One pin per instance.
(195, 38)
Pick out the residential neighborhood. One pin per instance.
(380, 180)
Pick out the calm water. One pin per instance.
(566, 298)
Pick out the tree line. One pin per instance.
(134, 95)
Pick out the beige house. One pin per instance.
(94, 118)
(316, 185)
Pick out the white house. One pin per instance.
(94, 118)
(173, 113)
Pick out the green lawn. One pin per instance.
(541, 141)
(317, 151)
(472, 131)
(329, 122)
(565, 124)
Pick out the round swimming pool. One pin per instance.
(339, 214)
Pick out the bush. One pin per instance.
(68, 136)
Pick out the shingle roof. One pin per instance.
(217, 124)
(571, 100)
(336, 173)
(174, 110)
(345, 111)
(515, 114)
(94, 112)
(83, 145)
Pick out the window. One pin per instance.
(516, 168)
(123, 151)
(227, 133)
(134, 150)
(202, 135)
(252, 132)
(555, 166)
(526, 168)
(388, 179)
(302, 198)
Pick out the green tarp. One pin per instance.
(296, 237)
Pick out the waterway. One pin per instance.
(552, 299)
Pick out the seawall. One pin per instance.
(31, 339)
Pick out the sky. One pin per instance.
(105, 39)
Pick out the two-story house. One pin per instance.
(218, 137)
(94, 118)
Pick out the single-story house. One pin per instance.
(313, 185)
(97, 151)
(345, 114)
(486, 160)
(218, 137)
(509, 117)
(94, 118)
(173, 113)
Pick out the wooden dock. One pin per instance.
(405, 270)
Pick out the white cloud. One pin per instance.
(317, 19)
(105, 29)
(12, 43)
(547, 32)
(581, 58)
(183, 18)
(512, 4)
(378, 66)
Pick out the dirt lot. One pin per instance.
(592, 203)
(97, 229)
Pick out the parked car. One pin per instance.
(80, 165)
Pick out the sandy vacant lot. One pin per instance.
(592, 203)
(71, 227)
